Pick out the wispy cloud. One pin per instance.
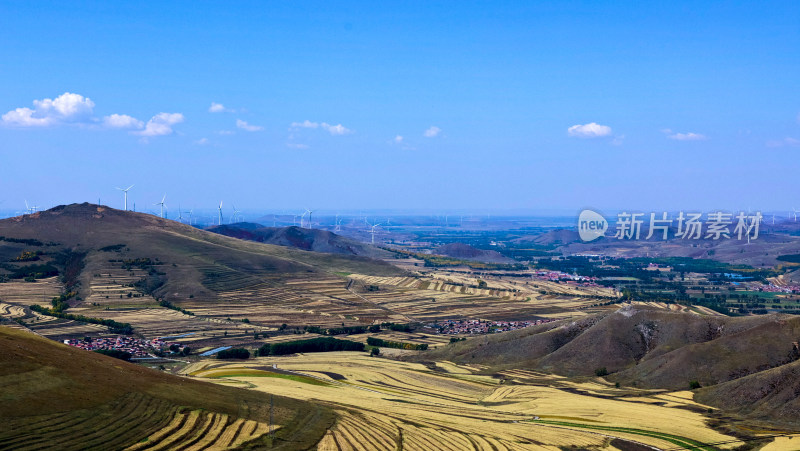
(219, 108)
(247, 127)
(202, 141)
(590, 130)
(335, 130)
(64, 109)
(432, 132)
(292, 145)
(160, 124)
(305, 124)
(684, 136)
(398, 139)
(785, 142)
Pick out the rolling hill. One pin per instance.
(463, 251)
(58, 397)
(772, 242)
(314, 240)
(656, 349)
(119, 261)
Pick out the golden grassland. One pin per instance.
(62, 398)
(387, 402)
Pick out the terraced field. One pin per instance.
(455, 407)
(26, 293)
(60, 398)
(198, 430)
(441, 297)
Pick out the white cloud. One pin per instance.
(161, 124)
(432, 132)
(398, 139)
(688, 137)
(201, 141)
(247, 127)
(618, 140)
(296, 146)
(226, 132)
(683, 136)
(590, 130)
(122, 121)
(788, 142)
(336, 129)
(219, 108)
(305, 124)
(66, 108)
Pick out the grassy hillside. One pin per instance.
(59, 397)
(650, 348)
(771, 394)
(82, 241)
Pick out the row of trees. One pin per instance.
(372, 341)
(320, 344)
(113, 326)
(234, 353)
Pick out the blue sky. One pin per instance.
(407, 105)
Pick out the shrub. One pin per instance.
(600, 372)
(234, 353)
(116, 353)
(693, 385)
(375, 351)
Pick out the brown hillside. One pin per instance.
(59, 397)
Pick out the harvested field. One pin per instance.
(389, 402)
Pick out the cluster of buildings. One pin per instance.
(134, 346)
(772, 288)
(474, 326)
(558, 276)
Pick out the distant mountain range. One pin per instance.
(466, 252)
(314, 240)
(765, 250)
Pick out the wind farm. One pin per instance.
(487, 226)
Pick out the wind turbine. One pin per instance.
(795, 213)
(372, 231)
(220, 212)
(338, 227)
(310, 224)
(180, 214)
(30, 209)
(125, 191)
(235, 214)
(302, 217)
(162, 204)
